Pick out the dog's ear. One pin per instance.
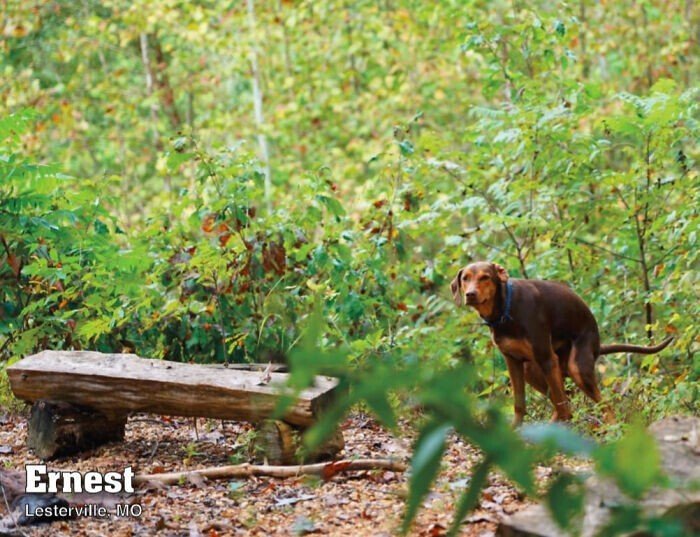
(500, 272)
(455, 287)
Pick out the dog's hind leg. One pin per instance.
(548, 361)
(581, 368)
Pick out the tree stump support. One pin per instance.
(279, 443)
(58, 429)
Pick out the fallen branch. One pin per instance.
(324, 469)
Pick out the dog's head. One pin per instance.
(477, 283)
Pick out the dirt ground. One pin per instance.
(353, 504)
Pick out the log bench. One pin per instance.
(82, 399)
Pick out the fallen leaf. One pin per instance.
(291, 501)
(436, 530)
(196, 480)
(333, 468)
(193, 529)
(303, 525)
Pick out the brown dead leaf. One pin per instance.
(436, 530)
(208, 223)
(15, 264)
(332, 468)
(274, 258)
(196, 480)
(193, 529)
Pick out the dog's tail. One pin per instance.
(638, 349)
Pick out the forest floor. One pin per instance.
(354, 504)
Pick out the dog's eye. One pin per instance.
(483, 278)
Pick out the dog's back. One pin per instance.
(566, 314)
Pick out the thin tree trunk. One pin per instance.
(641, 240)
(647, 39)
(189, 113)
(288, 62)
(641, 236)
(691, 18)
(258, 108)
(167, 95)
(351, 56)
(640, 230)
(143, 39)
(585, 64)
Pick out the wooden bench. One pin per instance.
(82, 399)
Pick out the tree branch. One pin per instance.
(518, 247)
(327, 469)
(611, 252)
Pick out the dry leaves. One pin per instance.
(356, 503)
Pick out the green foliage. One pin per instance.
(565, 500)
(424, 466)
(557, 438)
(470, 497)
(633, 462)
(630, 518)
(405, 139)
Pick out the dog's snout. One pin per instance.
(471, 295)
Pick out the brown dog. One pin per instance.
(544, 330)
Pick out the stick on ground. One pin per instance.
(324, 469)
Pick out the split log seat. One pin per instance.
(81, 399)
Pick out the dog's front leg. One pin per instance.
(517, 381)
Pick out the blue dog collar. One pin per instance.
(506, 312)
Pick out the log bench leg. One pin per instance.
(280, 443)
(57, 429)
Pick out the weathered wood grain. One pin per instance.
(116, 384)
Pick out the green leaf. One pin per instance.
(379, 403)
(559, 28)
(664, 85)
(332, 204)
(175, 160)
(328, 422)
(93, 328)
(565, 499)
(424, 467)
(180, 143)
(100, 227)
(470, 497)
(633, 462)
(557, 436)
(16, 124)
(406, 148)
